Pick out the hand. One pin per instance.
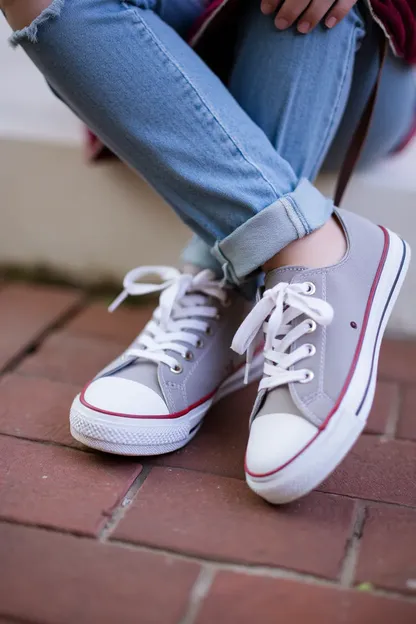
(310, 13)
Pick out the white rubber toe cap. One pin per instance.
(275, 439)
(124, 397)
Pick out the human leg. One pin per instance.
(153, 402)
(185, 134)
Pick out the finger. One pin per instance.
(315, 12)
(289, 13)
(268, 6)
(338, 12)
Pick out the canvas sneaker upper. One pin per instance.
(160, 387)
(322, 331)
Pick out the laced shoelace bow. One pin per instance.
(182, 297)
(274, 314)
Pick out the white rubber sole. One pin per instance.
(149, 436)
(318, 460)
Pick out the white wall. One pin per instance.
(28, 110)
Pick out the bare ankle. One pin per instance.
(323, 247)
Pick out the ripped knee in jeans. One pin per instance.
(21, 10)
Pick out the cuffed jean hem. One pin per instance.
(253, 243)
(198, 253)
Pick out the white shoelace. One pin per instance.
(281, 305)
(183, 297)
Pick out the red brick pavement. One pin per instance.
(179, 539)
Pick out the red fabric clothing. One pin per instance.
(398, 20)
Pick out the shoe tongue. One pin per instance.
(285, 274)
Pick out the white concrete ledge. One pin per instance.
(90, 224)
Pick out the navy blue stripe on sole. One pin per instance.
(393, 288)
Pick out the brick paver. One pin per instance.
(385, 406)
(246, 599)
(122, 325)
(377, 469)
(406, 427)
(26, 312)
(398, 360)
(387, 556)
(59, 358)
(220, 446)
(84, 537)
(59, 578)
(36, 408)
(218, 517)
(60, 487)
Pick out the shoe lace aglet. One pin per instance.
(118, 301)
(249, 359)
(246, 373)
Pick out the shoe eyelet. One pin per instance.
(189, 356)
(176, 369)
(227, 302)
(208, 331)
(311, 326)
(311, 349)
(310, 288)
(308, 377)
(199, 343)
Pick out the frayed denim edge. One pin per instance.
(31, 32)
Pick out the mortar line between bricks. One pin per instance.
(349, 563)
(120, 510)
(151, 464)
(217, 566)
(394, 415)
(369, 501)
(18, 620)
(198, 593)
(355, 497)
(257, 570)
(46, 527)
(33, 344)
(3, 434)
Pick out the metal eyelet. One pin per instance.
(310, 288)
(208, 331)
(189, 356)
(311, 349)
(311, 326)
(308, 377)
(199, 343)
(176, 369)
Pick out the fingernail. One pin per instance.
(330, 22)
(281, 23)
(267, 8)
(304, 27)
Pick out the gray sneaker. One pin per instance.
(323, 330)
(153, 398)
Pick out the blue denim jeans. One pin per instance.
(237, 163)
